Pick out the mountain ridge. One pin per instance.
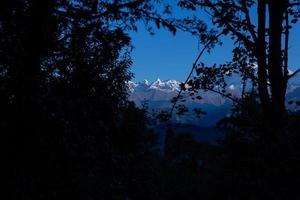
(157, 95)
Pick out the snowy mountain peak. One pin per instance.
(158, 96)
(158, 82)
(167, 86)
(146, 82)
(161, 85)
(131, 86)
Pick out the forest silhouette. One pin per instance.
(68, 130)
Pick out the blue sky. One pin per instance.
(166, 56)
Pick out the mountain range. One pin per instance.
(157, 97)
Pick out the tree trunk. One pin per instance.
(262, 59)
(276, 76)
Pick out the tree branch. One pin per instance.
(193, 68)
(248, 20)
(94, 14)
(224, 95)
(248, 43)
(293, 4)
(293, 74)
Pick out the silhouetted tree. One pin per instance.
(257, 151)
(68, 130)
(261, 43)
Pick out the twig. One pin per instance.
(293, 4)
(293, 74)
(193, 68)
(223, 94)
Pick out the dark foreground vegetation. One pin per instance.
(69, 132)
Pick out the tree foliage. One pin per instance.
(69, 132)
(261, 42)
(67, 128)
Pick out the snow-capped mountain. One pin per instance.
(140, 86)
(158, 95)
(160, 90)
(166, 86)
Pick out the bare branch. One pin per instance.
(228, 96)
(193, 68)
(293, 74)
(293, 4)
